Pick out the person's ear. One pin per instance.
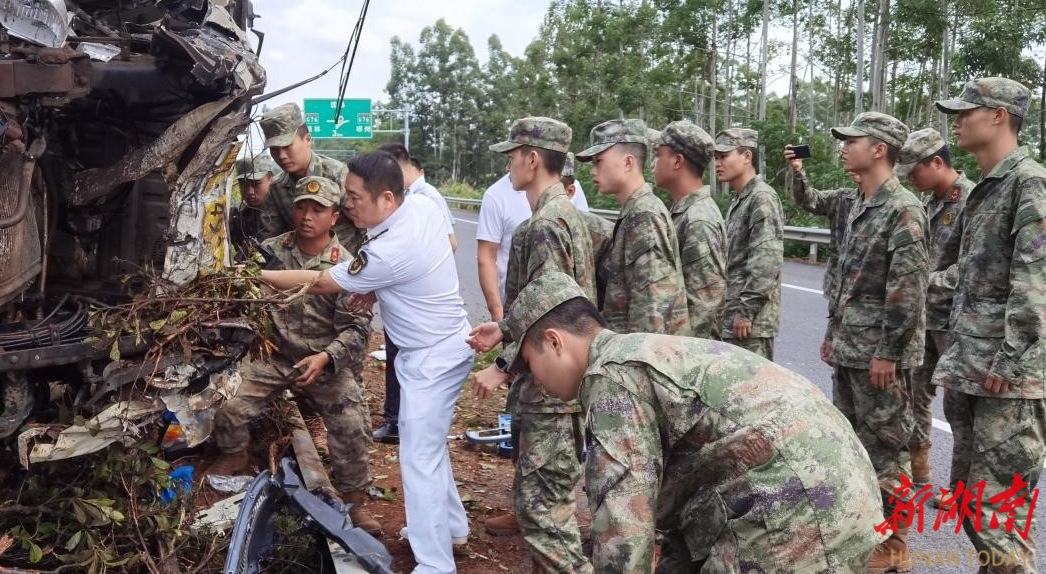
(554, 340)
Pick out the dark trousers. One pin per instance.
(392, 383)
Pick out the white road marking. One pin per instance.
(463, 220)
(805, 289)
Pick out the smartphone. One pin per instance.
(801, 151)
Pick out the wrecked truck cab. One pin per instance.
(119, 126)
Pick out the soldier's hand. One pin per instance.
(883, 372)
(311, 367)
(488, 381)
(742, 328)
(826, 351)
(485, 336)
(496, 313)
(997, 384)
(361, 302)
(797, 164)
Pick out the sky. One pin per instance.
(304, 37)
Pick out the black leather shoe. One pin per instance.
(388, 434)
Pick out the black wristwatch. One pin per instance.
(501, 365)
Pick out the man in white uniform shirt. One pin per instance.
(408, 264)
(502, 210)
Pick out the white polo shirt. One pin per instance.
(500, 213)
(422, 187)
(411, 269)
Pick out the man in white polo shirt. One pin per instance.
(407, 262)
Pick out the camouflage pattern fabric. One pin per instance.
(991, 93)
(923, 389)
(280, 124)
(280, 202)
(257, 167)
(883, 127)
(555, 238)
(882, 275)
(613, 132)
(741, 464)
(762, 346)
(995, 438)
(545, 133)
(312, 324)
(920, 145)
(601, 230)
(835, 204)
(640, 278)
(701, 234)
(755, 231)
(733, 138)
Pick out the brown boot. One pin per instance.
(230, 464)
(921, 473)
(359, 515)
(891, 556)
(504, 525)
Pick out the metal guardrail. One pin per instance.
(813, 235)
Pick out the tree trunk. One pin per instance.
(713, 89)
(1042, 114)
(793, 89)
(761, 115)
(881, 35)
(810, 64)
(859, 76)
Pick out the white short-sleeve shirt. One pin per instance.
(422, 187)
(411, 269)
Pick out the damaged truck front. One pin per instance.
(119, 123)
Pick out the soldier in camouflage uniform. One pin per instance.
(755, 231)
(684, 151)
(639, 278)
(741, 465)
(320, 341)
(994, 372)
(875, 333)
(926, 162)
(290, 144)
(600, 229)
(555, 238)
(254, 179)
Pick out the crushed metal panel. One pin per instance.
(121, 422)
(196, 413)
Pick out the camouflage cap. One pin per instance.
(280, 124)
(568, 167)
(921, 144)
(613, 132)
(733, 138)
(990, 93)
(257, 167)
(688, 140)
(324, 191)
(539, 297)
(545, 133)
(881, 126)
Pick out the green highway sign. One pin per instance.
(354, 121)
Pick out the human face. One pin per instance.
(859, 154)
(365, 210)
(975, 128)
(610, 170)
(521, 168)
(313, 220)
(555, 368)
(294, 158)
(257, 190)
(665, 162)
(732, 165)
(923, 176)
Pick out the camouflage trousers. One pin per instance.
(337, 398)
(676, 559)
(882, 421)
(923, 391)
(994, 439)
(762, 346)
(547, 470)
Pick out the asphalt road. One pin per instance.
(803, 324)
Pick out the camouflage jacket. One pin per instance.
(882, 274)
(755, 230)
(942, 247)
(997, 322)
(555, 238)
(726, 451)
(280, 201)
(601, 231)
(834, 204)
(640, 278)
(350, 236)
(316, 323)
(702, 253)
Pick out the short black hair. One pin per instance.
(417, 164)
(379, 171)
(1015, 123)
(398, 151)
(944, 153)
(755, 156)
(567, 180)
(637, 150)
(302, 131)
(554, 161)
(577, 316)
(892, 153)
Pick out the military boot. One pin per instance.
(921, 473)
(891, 556)
(358, 513)
(504, 525)
(230, 464)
